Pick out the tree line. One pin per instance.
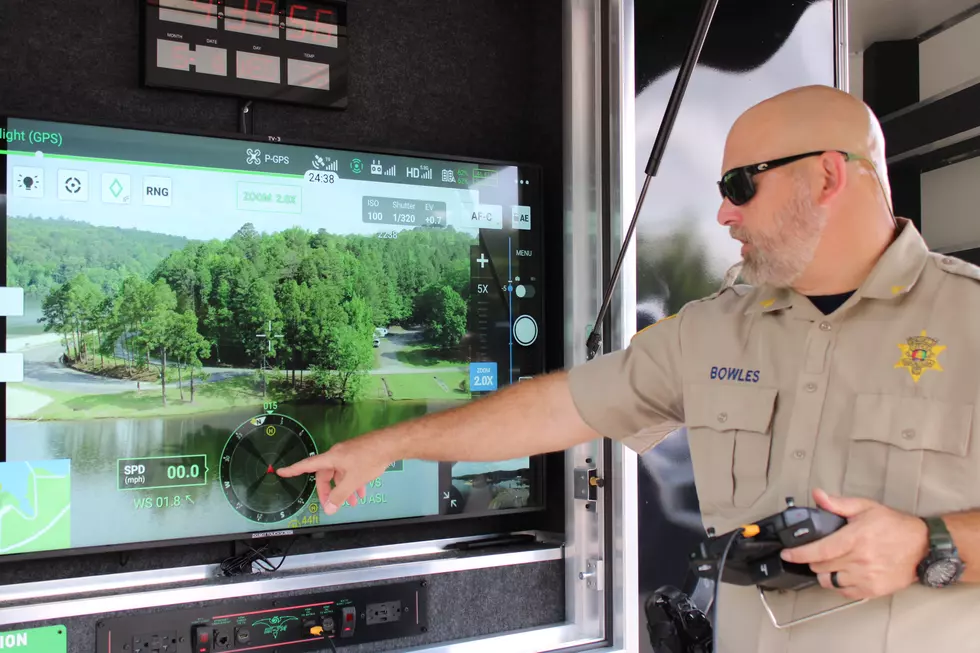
(295, 300)
(43, 254)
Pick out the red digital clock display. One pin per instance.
(272, 12)
(263, 12)
(312, 13)
(312, 21)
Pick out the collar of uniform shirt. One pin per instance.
(895, 274)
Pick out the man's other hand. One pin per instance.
(342, 472)
(875, 554)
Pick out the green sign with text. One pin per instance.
(49, 639)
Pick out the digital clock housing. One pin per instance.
(292, 51)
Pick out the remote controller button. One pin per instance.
(794, 516)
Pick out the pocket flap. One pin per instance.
(913, 423)
(729, 407)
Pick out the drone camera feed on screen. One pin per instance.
(199, 312)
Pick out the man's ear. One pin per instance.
(833, 169)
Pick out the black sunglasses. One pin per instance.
(738, 186)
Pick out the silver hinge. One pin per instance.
(593, 575)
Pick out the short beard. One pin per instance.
(778, 257)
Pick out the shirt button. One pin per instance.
(948, 261)
(811, 387)
(908, 434)
(722, 417)
(799, 454)
(825, 326)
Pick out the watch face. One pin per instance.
(942, 572)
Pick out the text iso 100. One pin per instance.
(320, 177)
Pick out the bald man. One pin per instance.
(842, 376)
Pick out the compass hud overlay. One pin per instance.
(200, 311)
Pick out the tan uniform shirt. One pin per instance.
(876, 400)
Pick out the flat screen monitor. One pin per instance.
(199, 311)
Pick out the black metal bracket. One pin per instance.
(586, 483)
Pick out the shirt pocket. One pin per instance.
(911, 454)
(729, 432)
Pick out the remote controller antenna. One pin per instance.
(656, 155)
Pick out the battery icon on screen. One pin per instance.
(489, 177)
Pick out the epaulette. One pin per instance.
(728, 282)
(741, 290)
(650, 326)
(957, 266)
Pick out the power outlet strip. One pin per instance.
(297, 624)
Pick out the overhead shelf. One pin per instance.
(937, 131)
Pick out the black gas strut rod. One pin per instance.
(656, 155)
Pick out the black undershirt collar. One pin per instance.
(827, 304)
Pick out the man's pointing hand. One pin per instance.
(342, 473)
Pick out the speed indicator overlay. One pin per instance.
(253, 453)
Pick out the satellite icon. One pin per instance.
(318, 162)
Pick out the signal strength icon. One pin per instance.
(390, 172)
(426, 172)
(320, 164)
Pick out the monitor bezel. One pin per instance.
(497, 521)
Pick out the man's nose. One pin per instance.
(729, 215)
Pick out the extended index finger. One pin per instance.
(309, 465)
(833, 546)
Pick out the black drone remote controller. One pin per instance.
(753, 558)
